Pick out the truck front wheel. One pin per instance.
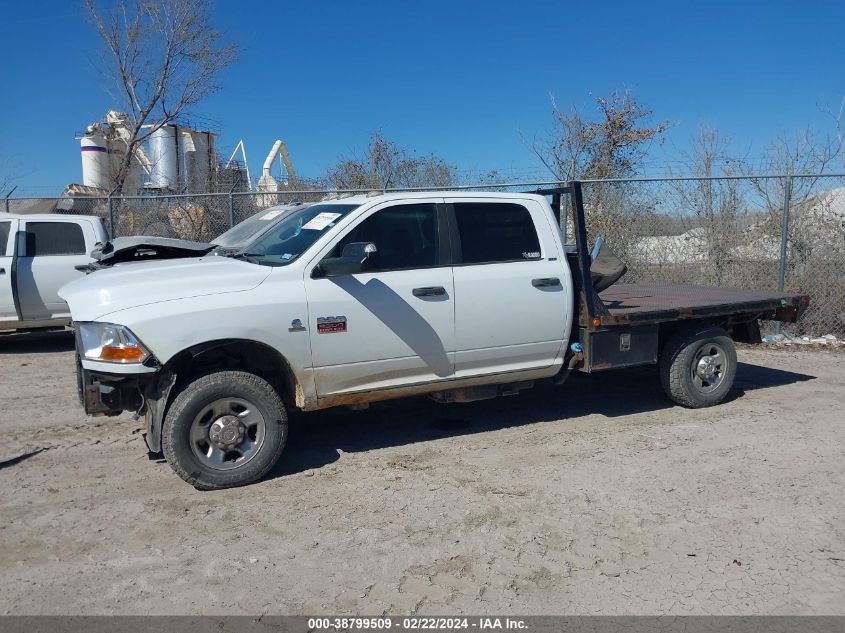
(224, 429)
(698, 367)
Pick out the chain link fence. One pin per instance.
(767, 232)
(776, 233)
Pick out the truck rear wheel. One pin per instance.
(698, 367)
(224, 429)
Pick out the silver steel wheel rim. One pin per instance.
(227, 433)
(708, 367)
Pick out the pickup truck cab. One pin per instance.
(38, 255)
(459, 295)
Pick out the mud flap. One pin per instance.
(156, 396)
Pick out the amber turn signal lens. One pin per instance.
(596, 322)
(122, 354)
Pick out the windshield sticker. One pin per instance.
(287, 256)
(271, 214)
(321, 221)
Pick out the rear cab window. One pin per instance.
(54, 238)
(494, 232)
(5, 229)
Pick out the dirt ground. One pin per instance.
(595, 497)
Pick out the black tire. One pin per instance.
(199, 397)
(680, 362)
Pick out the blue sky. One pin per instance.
(466, 80)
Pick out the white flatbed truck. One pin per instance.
(458, 295)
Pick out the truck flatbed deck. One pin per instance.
(657, 302)
(624, 325)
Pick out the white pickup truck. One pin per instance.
(38, 255)
(458, 295)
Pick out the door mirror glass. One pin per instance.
(356, 257)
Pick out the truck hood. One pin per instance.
(134, 285)
(138, 249)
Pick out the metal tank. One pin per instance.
(196, 160)
(96, 159)
(164, 158)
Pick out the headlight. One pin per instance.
(110, 343)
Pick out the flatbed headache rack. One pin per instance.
(622, 325)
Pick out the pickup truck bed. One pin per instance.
(655, 303)
(628, 322)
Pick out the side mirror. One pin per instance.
(356, 257)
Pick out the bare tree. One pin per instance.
(836, 115)
(806, 152)
(8, 176)
(711, 206)
(385, 165)
(6, 183)
(163, 57)
(609, 146)
(611, 143)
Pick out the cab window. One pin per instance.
(405, 236)
(491, 232)
(54, 238)
(5, 228)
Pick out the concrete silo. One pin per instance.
(197, 160)
(164, 158)
(103, 149)
(96, 159)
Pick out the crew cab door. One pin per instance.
(513, 295)
(8, 231)
(48, 251)
(393, 325)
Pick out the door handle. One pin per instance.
(429, 291)
(545, 282)
(2, 271)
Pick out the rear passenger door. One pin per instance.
(511, 302)
(50, 252)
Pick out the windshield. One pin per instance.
(297, 231)
(246, 231)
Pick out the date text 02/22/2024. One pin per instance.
(418, 623)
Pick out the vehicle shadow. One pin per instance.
(20, 458)
(317, 439)
(37, 342)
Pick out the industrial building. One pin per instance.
(173, 159)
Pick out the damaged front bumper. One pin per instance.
(109, 394)
(109, 391)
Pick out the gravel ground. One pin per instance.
(595, 497)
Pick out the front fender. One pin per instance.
(171, 327)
